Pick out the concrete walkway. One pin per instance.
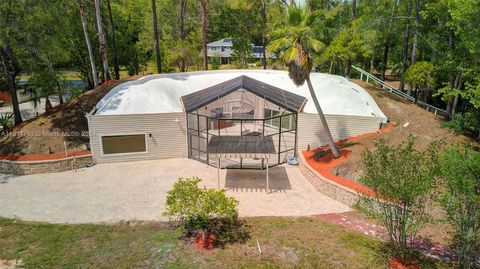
(137, 191)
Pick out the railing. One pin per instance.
(369, 77)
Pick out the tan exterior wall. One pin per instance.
(310, 131)
(168, 135)
(169, 140)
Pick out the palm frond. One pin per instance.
(291, 54)
(294, 15)
(279, 44)
(315, 44)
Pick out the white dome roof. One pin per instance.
(161, 93)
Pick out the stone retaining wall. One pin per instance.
(327, 187)
(46, 166)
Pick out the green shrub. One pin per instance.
(197, 208)
(459, 171)
(215, 63)
(402, 178)
(6, 121)
(457, 124)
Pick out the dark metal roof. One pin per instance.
(241, 145)
(290, 101)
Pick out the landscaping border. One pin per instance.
(336, 191)
(44, 166)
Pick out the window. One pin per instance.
(118, 144)
(216, 113)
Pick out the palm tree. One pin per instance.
(101, 39)
(87, 40)
(295, 39)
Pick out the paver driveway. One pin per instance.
(137, 191)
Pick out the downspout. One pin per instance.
(90, 132)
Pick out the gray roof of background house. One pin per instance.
(226, 42)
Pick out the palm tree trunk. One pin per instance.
(89, 45)
(101, 39)
(116, 68)
(203, 16)
(7, 55)
(331, 143)
(155, 36)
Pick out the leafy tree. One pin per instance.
(297, 43)
(459, 170)
(421, 76)
(402, 179)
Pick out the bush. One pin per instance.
(461, 122)
(201, 209)
(457, 124)
(459, 171)
(6, 121)
(402, 178)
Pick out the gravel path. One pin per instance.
(137, 191)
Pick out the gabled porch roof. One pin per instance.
(277, 96)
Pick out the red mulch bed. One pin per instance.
(326, 163)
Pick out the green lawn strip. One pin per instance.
(73, 246)
(304, 242)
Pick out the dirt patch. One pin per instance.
(47, 133)
(409, 120)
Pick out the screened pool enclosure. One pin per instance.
(242, 107)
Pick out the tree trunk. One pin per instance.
(331, 143)
(182, 63)
(354, 9)
(7, 55)
(116, 68)
(89, 45)
(331, 67)
(155, 36)
(48, 105)
(406, 36)
(452, 77)
(348, 68)
(415, 31)
(203, 16)
(101, 39)
(264, 33)
(371, 65)
(385, 59)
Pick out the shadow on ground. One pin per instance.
(241, 180)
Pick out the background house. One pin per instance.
(223, 49)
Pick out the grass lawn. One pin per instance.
(286, 243)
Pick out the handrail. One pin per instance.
(398, 92)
